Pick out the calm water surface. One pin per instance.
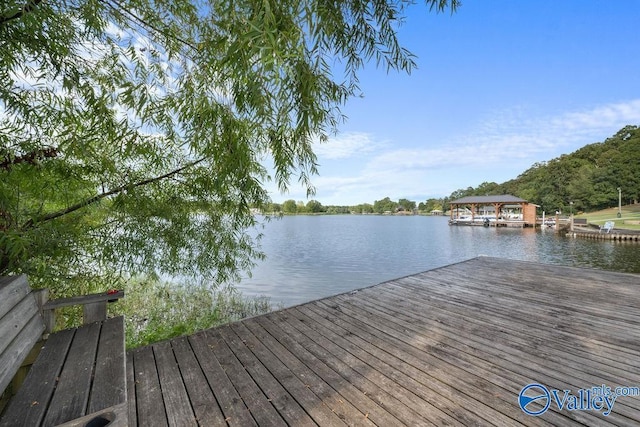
(310, 257)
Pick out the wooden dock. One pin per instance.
(616, 236)
(449, 346)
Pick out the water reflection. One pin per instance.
(310, 257)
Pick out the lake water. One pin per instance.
(310, 257)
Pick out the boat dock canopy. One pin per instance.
(502, 210)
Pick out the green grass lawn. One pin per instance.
(629, 213)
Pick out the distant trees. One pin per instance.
(290, 207)
(406, 205)
(363, 208)
(430, 205)
(384, 205)
(273, 208)
(314, 206)
(335, 210)
(588, 177)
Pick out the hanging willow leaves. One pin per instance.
(133, 132)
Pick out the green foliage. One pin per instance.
(301, 207)
(385, 205)
(337, 210)
(156, 310)
(132, 133)
(364, 208)
(431, 204)
(289, 206)
(588, 177)
(484, 189)
(406, 205)
(272, 209)
(314, 206)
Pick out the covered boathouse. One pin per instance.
(496, 211)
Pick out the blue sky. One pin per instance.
(500, 85)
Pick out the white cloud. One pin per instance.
(518, 135)
(601, 118)
(347, 145)
(496, 149)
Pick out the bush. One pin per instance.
(156, 310)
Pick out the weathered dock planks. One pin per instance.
(449, 346)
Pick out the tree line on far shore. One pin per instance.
(587, 180)
(383, 206)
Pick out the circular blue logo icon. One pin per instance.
(533, 395)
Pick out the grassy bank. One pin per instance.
(156, 311)
(630, 218)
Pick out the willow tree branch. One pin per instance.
(98, 197)
(28, 7)
(117, 7)
(31, 157)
